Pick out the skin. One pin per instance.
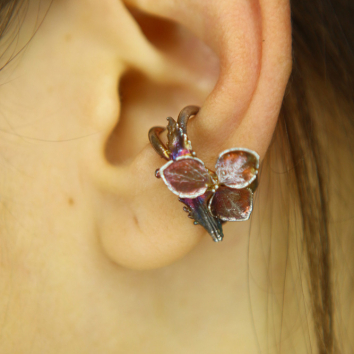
(97, 255)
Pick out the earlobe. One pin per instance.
(141, 224)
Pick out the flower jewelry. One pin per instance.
(211, 198)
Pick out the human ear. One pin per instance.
(141, 224)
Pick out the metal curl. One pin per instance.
(182, 121)
(156, 142)
(233, 202)
(184, 116)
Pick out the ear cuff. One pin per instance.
(210, 197)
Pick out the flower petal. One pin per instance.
(237, 168)
(187, 177)
(231, 204)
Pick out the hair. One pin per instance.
(10, 19)
(320, 93)
(7, 12)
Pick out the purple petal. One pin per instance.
(187, 177)
(237, 168)
(231, 204)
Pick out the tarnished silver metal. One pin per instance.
(210, 197)
(244, 183)
(202, 173)
(185, 115)
(156, 142)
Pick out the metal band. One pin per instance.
(156, 142)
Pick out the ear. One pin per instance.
(141, 224)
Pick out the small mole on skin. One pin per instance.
(136, 220)
(71, 201)
(67, 37)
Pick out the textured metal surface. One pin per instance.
(210, 198)
(197, 209)
(231, 204)
(186, 177)
(237, 168)
(185, 115)
(156, 142)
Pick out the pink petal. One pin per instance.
(187, 177)
(237, 168)
(231, 204)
